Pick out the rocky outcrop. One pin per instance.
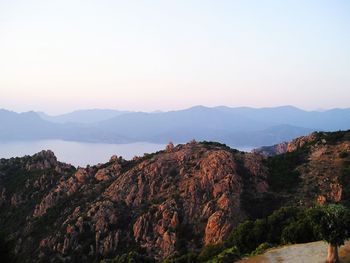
(195, 183)
(281, 148)
(276, 149)
(42, 160)
(302, 141)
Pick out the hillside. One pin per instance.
(161, 204)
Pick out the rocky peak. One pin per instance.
(42, 160)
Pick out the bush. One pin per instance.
(131, 257)
(300, 231)
(244, 238)
(345, 181)
(278, 220)
(229, 255)
(283, 175)
(210, 251)
(285, 225)
(187, 258)
(261, 248)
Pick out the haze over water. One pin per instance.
(81, 153)
(78, 153)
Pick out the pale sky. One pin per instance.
(57, 56)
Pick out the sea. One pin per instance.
(81, 153)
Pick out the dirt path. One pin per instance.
(315, 252)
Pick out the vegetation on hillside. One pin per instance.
(287, 225)
(283, 175)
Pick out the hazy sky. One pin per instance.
(146, 55)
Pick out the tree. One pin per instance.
(332, 223)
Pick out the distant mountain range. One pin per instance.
(242, 126)
(83, 116)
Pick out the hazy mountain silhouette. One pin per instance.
(83, 116)
(334, 119)
(242, 126)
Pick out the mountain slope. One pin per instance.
(156, 201)
(164, 203)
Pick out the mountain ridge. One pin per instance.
(232, 126)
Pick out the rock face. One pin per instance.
(186, 196)
(285, 147)
(273, 150)
(178, 199)
(326, 172)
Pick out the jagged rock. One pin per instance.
(170, 147)
(300, 142)
(272, 150)
(217, 228)
(42, 160)
(81, 175)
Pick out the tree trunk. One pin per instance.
(332, 256)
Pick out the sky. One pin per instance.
(58, 56)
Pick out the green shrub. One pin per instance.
(261, 248)
(300, 231)
(210, 251)
(131, 257)
(278, 220)
(187, 258)
(285, 225)
(229, 255)
(283, 175)
(345, 181)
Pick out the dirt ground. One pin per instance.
(315, 252)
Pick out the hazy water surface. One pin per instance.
(78, 153)
(81, 153)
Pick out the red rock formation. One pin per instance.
(189, 195)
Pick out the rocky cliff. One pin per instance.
(164, 203)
